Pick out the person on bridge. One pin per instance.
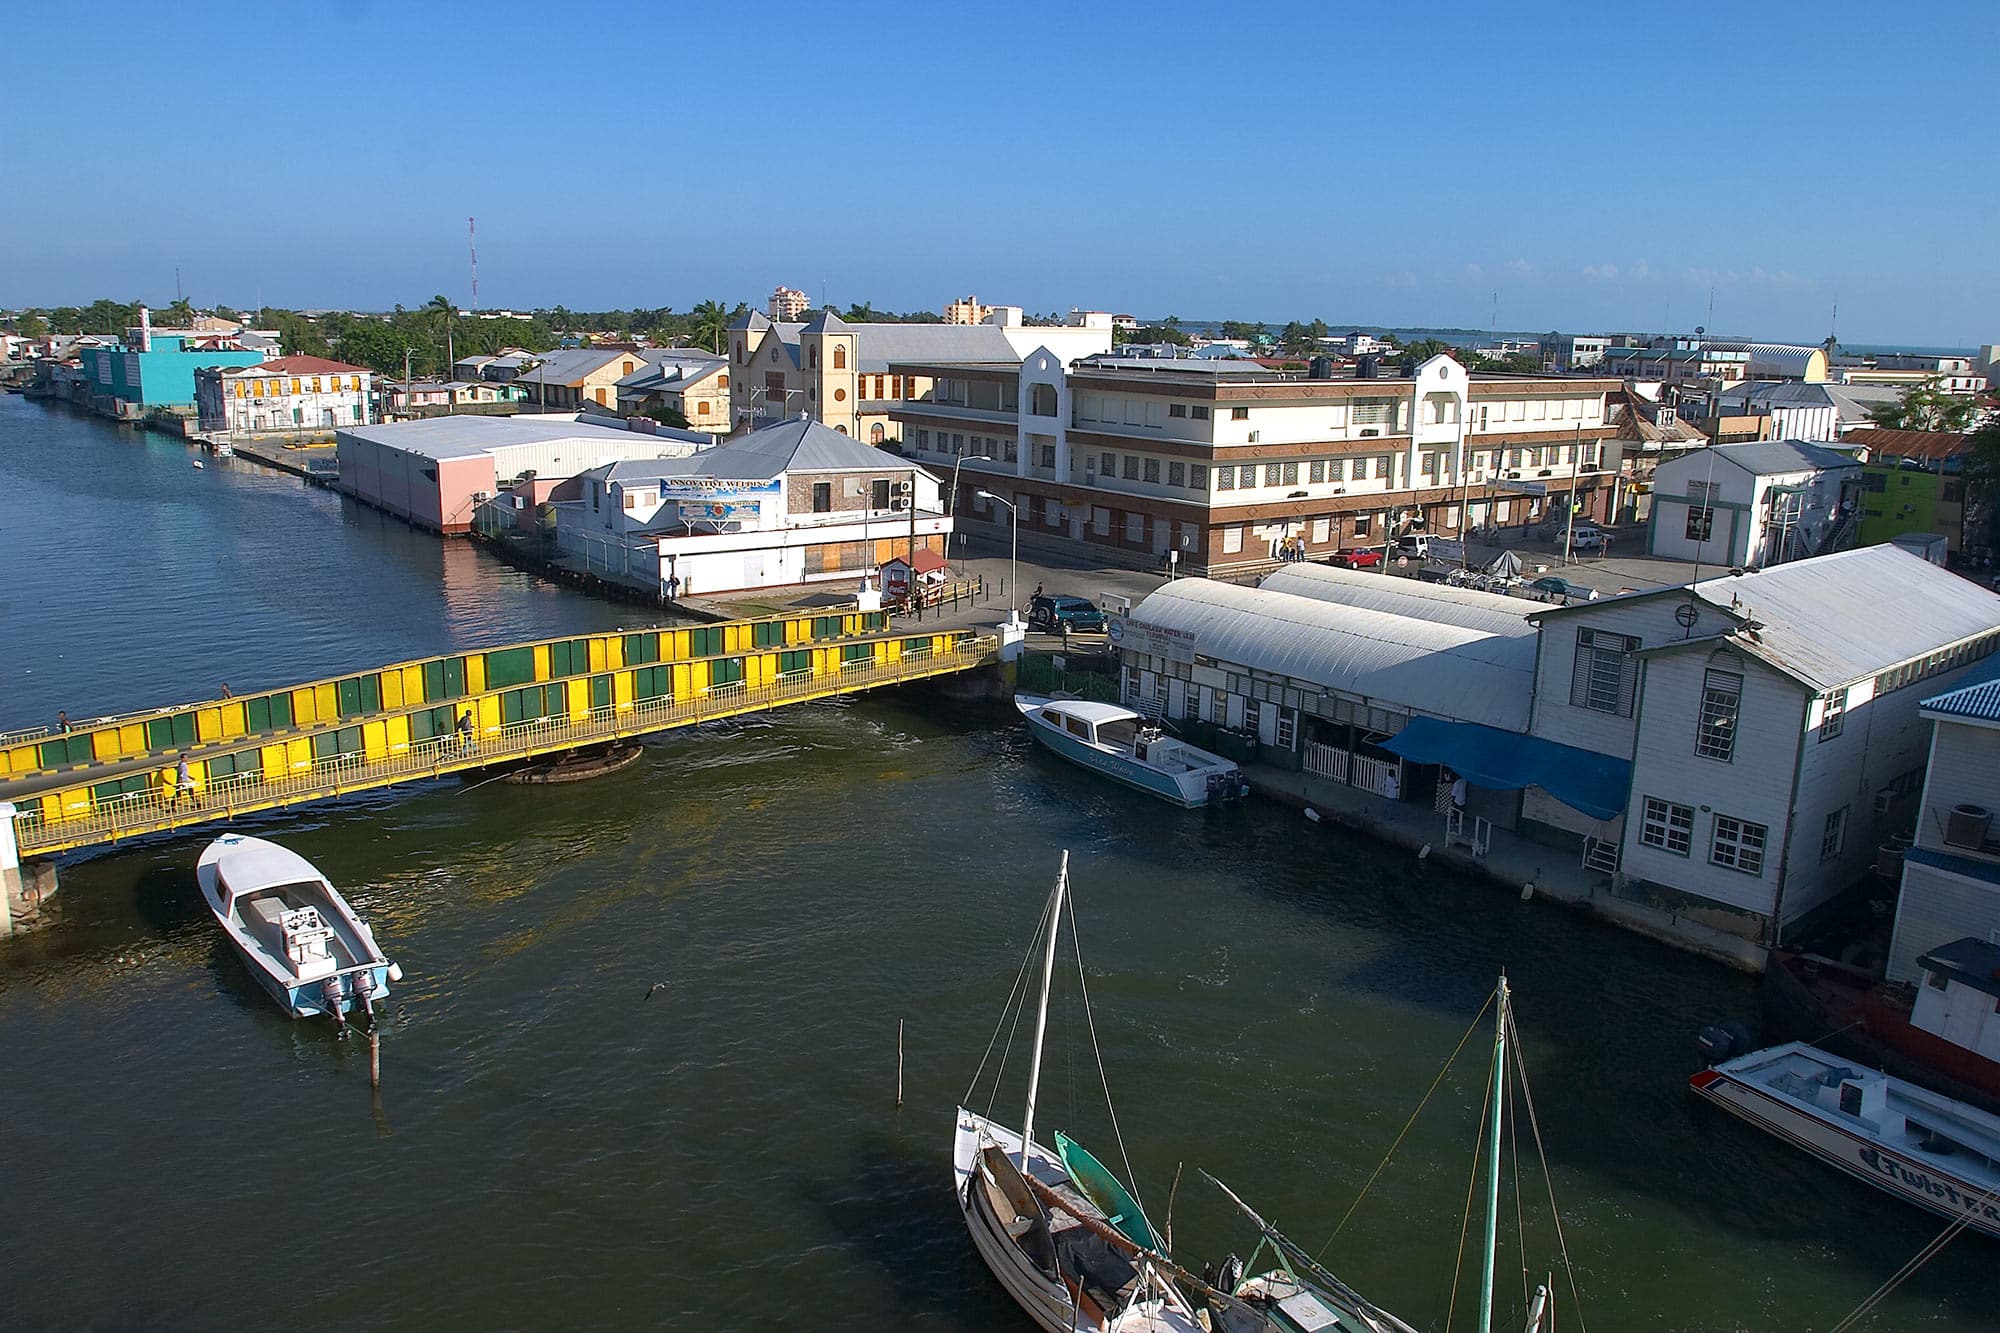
(184, 785)
(225, 691)
(465, 732)
(62, 721)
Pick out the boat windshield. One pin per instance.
(1120, 732)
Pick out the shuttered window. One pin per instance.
(1606, 672)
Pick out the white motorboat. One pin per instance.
(1120, 744)
(1925, 1148)
(1050, 1246)
(294, 931)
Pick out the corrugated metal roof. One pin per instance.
(1398, 661)
(1468, 608)
(789, 446)
(1840, 618)
(569, 367)
(1977, 697)
(876, 345)
(1768, 457)
(463, 436)
(1928, 445)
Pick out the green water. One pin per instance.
(554, 1148)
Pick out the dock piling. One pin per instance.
(899, 1062)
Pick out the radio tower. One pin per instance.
(472, 247)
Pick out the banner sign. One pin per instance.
(713, 488)
(1136, 636)
(718, 511)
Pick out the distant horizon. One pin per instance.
(1451, 164)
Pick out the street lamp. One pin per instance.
(1013, 558)
(951, 500)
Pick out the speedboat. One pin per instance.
(296, 934)
(1120, 744)
(1922, 1147)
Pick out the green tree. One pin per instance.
(1926, 406)
(439, 309)
(30, 324)
(179, 314)
(711, 325)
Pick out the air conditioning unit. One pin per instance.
(479, 497)
(1371, 432)
(1513, 476)
(900, 502)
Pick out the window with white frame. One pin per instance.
(1271, 474)
(1246, 476)
(1107, 463)
(1668, 826)
(1225, 478)
(1232, 539)
(1135, 527)
(1833, 837)
(1100, 520)
(1715, 726)
(1322, 528)
(1191, 702)
(1218, 707)
(1177, 474)
(1738, 844)
(1198, 477)
(1605, 674)
(1153, 470)
(1285, 733)
(1316, 470)
(1199, 412)
(1833, 715)
(1131, 467)
(1253, 716)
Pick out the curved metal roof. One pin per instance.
(1401, 661)
(1468, 608)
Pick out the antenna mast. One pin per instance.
(472, 247)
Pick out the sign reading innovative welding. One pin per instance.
(715, 488)
(1175, 645)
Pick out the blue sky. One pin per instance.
(1393, 164)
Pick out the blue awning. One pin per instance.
(1506, 761)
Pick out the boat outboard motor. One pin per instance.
(332, 992)
(1230, 1274)
(1720, 1041)
(364, 990)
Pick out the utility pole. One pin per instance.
(1569, 532)
(472, 245)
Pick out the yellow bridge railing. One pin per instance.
(159, 809)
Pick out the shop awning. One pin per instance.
(1506, 761)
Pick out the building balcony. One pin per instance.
(918, 409)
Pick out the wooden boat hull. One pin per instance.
(578, 768)
(1926, 1183)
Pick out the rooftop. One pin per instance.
(1977, 699)
(465, 436)
(1774, 457)
(1468, 608)
(1971, 960)
(299, 365)
(1402, 661)
(762, 455)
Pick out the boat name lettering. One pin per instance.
(1923, 1183)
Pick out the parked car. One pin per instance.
(1586, 537)
(1053, 615)
(1415, 545)
(1553, 586)
(1359, 557)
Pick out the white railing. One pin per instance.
(160, 807)
(1373, 774)
(1326, 761)
(1478, 835)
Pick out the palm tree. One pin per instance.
(442, 306)
(180, 314)
(711, 325)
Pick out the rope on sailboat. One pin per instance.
(1520, 1224)
(1405, 1129)
(1013, 1008)
(1548, 1176)
(1896, 1279)
(1083, 988)
(1471, 1184)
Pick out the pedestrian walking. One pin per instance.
(62, 721)
(465, 732)
(183, 784)
(1392, 792)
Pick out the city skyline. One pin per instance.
(1442, 169)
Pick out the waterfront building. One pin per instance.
(1221, 464)
(1566, 353)
(787, 303)
(154, 370)
(839, 373)
(401, 400)
(1770, 721)
(570, 378)
(691, 382)
(435, 473)
(1951, 873)
(1741, 505)
(286, 395)
(789, 504)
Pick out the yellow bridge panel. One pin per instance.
(621, 691)
(276, 768)
(541, 661)
(578, 689)
(23, 759)
(392, 689)
(475, 673)
(399, 735)
(104, 746)
(232, 721)
(208, 725)
(374, 741)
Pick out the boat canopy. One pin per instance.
(1596, 784)
(248, 864)
(1089, 710)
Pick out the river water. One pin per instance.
(563, 1140)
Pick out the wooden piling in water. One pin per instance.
(899, 1062)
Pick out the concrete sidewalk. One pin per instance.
(1528, 868)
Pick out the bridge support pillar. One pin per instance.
(10, 868)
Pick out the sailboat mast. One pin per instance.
(1042, 1013)
(1493, 1161)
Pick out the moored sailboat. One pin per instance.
(1053, 1249)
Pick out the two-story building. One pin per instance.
(1914, 482)
(1218, 464)
(564, 380)
(1951, 872)
(691, 382)
(288, 395)
(1770, 720)
(1750, 505)
(840, 374)
(790, 504)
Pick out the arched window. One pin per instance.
(839, 357)
(841, 429)
(875, 433)
(1043, 401)
(812, 358)
(722, 381)
(774, 356)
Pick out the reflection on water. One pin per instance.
(561, 1144)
